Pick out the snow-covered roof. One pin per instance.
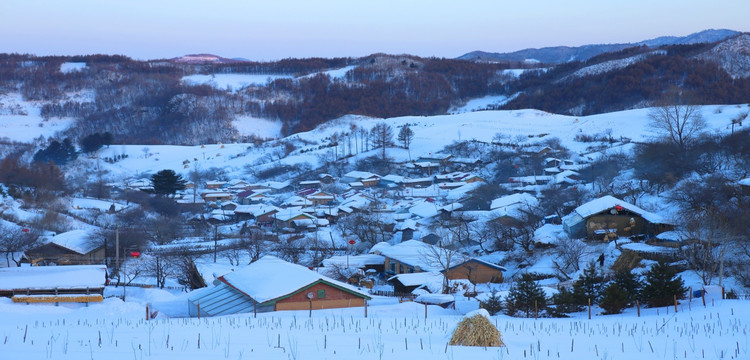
(49, 277)
(424, 209)
(74, 240)
(291, 213)
(360, 175)
(745, 182)
(271, 278)
(393, 178)
(417, 279)
(514, 199)
(480, 261)
(255, 209)
(607, 202)
(414, 253)
(358, 261)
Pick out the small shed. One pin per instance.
(53, 280)
(272, 284)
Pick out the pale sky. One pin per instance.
(276, 29)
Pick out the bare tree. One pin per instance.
(444, 255)
(568, 254)
(679, 123)
(405, 136)
(14, 242)
(381, 137)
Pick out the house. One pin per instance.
(262, 213)
(215, 184)
(69, 248)
(354, 176)
(511, 209)
(441, 159)
(272, 284)
(83, 280)
(255, 196)
(314, 184)
(214, 196)
(411, 256)
(326, 178)
(391, 181)
(476, 271)
(608, 217)
(321, 198)
(293, 219)
(418, 183)
(404, 284)
(363, 261)
(406, 228)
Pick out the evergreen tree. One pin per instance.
(493, 305)
(565, 302)
(525, 296)
(167, 182)
(588, 286)
(91, 143)
(662, 284)
(614, 299)
(630, 283)
(58, 152)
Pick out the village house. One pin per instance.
(608, 217)
(69, 248)
(272, 284)
(214, 196)
(409, 257)
(321, 198)
(255, 196)
(476, 271)
(262, 214)
(512, 209)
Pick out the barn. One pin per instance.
(272, 284)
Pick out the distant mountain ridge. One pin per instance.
(563, 54)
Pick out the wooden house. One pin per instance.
(321, 198)
(69, 248)
(292, 219)
(476, 271)
(410, 257)
(214, 196)
(272, 284)
(608, 217)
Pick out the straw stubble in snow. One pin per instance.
(713, 332)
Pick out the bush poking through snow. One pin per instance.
(476, 330)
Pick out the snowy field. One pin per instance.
(116, 330)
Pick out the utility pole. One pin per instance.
(117, 248)
(216, 240)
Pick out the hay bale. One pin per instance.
(476, 329)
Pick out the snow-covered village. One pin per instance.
(581, 202)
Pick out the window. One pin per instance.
(392, 265)
(321, 294)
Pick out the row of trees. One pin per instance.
(660, 287)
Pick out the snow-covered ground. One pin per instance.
(115, 330)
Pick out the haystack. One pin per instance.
(476, 329)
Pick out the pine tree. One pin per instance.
(630, 283)
(493, 305)
(614, 299)
(588, 286)
(526, 296)
(565, 302)
(167, 182)
(662, 285)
